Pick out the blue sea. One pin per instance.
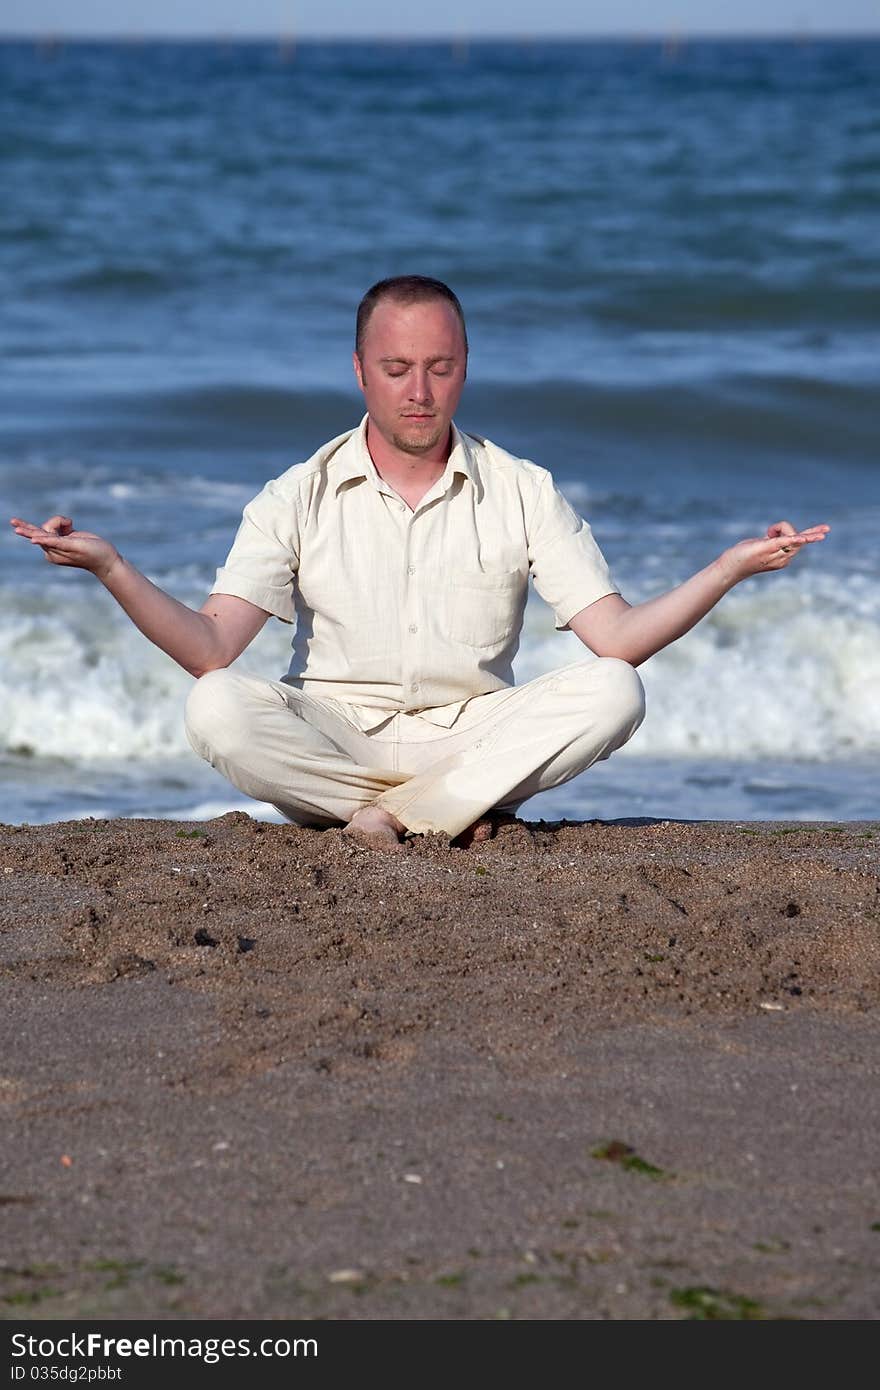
(669, 257)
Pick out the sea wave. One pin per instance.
(742, 416)
(780, 669)
(117, 278)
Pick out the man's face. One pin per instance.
(412, 371)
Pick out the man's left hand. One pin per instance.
(774, 551)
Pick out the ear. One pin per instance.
(358, 370)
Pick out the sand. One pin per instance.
(603, 1070)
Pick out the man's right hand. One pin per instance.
(62, 545)
(199, 642)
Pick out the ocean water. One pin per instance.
(670, 263)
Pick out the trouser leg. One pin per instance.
(278, 745)
(543, 733)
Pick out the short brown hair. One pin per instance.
(404, 289)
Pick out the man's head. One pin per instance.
(410, 361)
(405, 289)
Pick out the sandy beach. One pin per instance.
(584, 1071)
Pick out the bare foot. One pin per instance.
(375, 828)
(483, 829)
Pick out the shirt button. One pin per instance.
(411, 569)
(413, 627)
(414, 686)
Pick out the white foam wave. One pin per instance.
(84, 484)
(791, 671)
(78, 682)
(786, 668)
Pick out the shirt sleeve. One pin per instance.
(265, 555)
(567, 566)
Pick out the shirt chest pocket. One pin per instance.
(485, 608)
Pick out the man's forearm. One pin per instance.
(613, 628)
(199, 642)
(610, 627)
(648, 627)
(190, 638)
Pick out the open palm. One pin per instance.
(62, 545)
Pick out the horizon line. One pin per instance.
(677, 34)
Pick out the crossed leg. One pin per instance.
(280, 745)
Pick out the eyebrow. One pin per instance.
(429, 361)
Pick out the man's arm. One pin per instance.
(199, 642)
(612, 627)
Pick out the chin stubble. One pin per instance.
(410, 446)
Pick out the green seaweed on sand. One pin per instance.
(26, 1298)
(705, 1304)
(121, 1270)
(615, 1151)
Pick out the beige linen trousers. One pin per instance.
(307, 758)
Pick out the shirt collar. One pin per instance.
(353, 460)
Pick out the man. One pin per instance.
(402, 550)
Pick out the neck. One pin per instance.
(397, 465)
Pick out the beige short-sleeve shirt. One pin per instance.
(410, 610)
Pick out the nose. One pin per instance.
(420, 386)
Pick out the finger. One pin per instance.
(785, 528)
(774, 552)
(29, 528)
(57, 553)
(21, 527)
(64, 544)
(58, 525)
(34, 533)
(803, 537)
(773, 544)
